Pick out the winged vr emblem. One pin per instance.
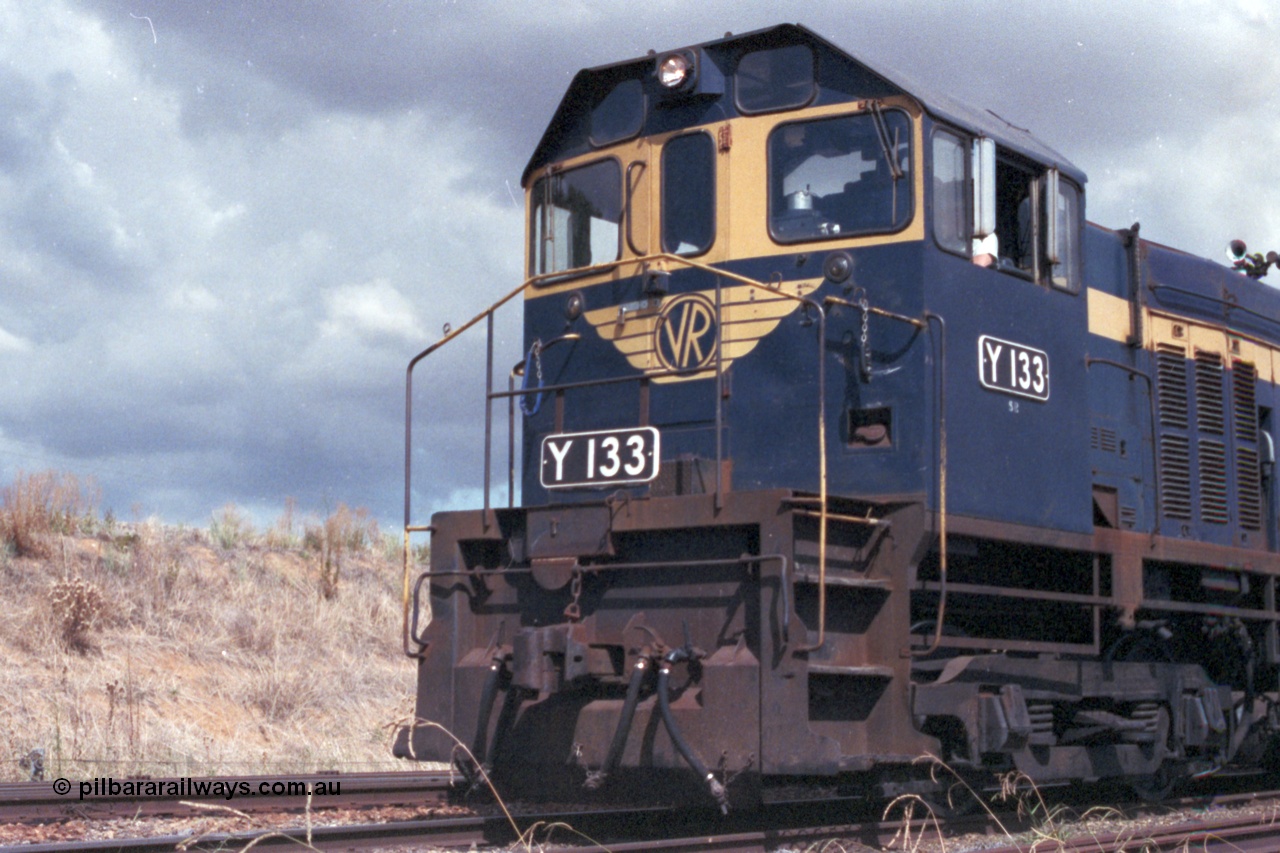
(679, 333)
(684, 337)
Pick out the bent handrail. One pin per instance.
(643, 264)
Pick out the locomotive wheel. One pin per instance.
(1141, 647)
(1156, 787)
(954, 797)
(952, 803)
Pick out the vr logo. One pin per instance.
(685, 335)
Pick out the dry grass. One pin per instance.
(144, 648)
(36, 505)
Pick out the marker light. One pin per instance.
(673, 70)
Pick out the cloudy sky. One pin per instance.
(226, 226)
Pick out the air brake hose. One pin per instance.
(488, 695)
(597, 778)
(664, 705)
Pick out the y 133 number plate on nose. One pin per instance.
(605, 458)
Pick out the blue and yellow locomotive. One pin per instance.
(843, 439)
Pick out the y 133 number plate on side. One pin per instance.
(1013, 368)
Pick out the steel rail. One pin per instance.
(25, 802)
(662, 828)
(460, 832)
(452, 832)
(1242, 833)
(657, 828)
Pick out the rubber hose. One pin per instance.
(664, 705)
(596, 779)
(480, 747)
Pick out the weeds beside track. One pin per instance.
(1237, 821)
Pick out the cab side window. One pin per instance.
(575, 216)
(1065, 261)
(1005, 211)
(1016, 217)
(951, 228)
(1038, 221)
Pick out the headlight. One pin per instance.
(673, 70)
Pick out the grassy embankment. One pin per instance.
(142, 648)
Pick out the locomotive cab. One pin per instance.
(824, 384)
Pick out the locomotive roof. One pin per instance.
(841, 78)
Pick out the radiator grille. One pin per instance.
(1213, 481)
(1175, 450)
(1171, 385)
(1175, 476)
(1249, 482)
(1244, 410)
(1244, 403)
(1210, 412)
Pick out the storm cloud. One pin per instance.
(226, 227)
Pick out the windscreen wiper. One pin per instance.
(882, 132)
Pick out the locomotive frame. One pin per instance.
(816, 483)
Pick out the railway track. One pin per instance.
(629, 829)
(1240, 833)
(26, 802)
(1237, 835)
(338, 822)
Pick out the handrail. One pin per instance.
(925, 325)
(1228, 305)
(601, 568)
(929, 317)
(404, 632)
(490, 395)
(822, 480)
(1154, 428)
(450, 334)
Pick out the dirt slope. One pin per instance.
(146, 649)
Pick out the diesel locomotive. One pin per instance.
(841, 438)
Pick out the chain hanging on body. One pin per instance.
(573, 610)
(535, 355)
(865, 340)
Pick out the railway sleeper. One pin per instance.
(1057, 720)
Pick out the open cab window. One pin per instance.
(1038, 225)
(1005, 212)
(951, 225)
(836, 177)
(575, 216)
(1064, 245)
(1016, 197)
